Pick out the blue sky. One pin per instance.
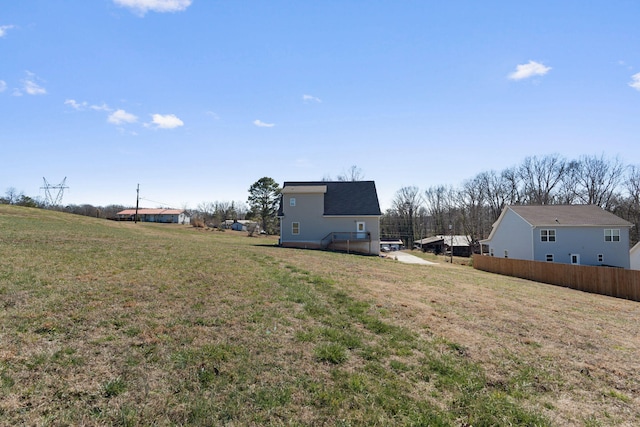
(197, 99)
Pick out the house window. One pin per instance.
(292, 201)
(506, 253)
(548, 235)
(491, 251)
(549, 257)
(600, 258)
(295, 228)
(612, 235)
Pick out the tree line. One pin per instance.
(472, 208)
(469, 209)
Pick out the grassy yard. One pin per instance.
(105, 323)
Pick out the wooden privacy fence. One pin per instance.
(614, 282)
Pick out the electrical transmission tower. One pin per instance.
(51, 201)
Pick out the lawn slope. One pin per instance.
(106, 323)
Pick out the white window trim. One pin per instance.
(292, 201)
(547, 235)
(293, 227)
(612, 234)
(549, 257)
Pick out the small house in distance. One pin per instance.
(440, 244)
(245, 225)
(569, 234)
(167, 216)
(337, 215)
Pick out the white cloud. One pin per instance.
(141, 7)
(3, 85)
(166, 121)
(75, 105)
(262, 124)
(103, 107)
(310, 98)
(4, 28)
(635, 81)
(31, 86)
(119, 117)
(530, 69)
(84, 105)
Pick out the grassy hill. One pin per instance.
(105, 323)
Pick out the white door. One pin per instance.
(361, 230)
(575, 259)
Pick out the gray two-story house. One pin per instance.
(569, 234)
(337, 215)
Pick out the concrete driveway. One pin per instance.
(408, 258)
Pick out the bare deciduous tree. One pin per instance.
(598, 179)
(439, 205)
(407, 204)
(494, 188)
(354, 173)
(470, 202)
(540, 177)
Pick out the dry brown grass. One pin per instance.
(583, 350)
(119, 324)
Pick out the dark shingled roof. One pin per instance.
(571, 215)
(356, 198)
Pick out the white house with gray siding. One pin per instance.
(342, 215)
(569, 234)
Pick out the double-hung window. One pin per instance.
(292, 201)
(295, 228)
(611, 234)
(547, 235)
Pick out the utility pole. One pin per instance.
(451, 248)
(135, 218)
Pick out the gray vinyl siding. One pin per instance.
(308, 212)
(314, 226)
(514, 236)
(587, 242)
(522, 241)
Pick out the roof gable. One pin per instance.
(352, 198)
